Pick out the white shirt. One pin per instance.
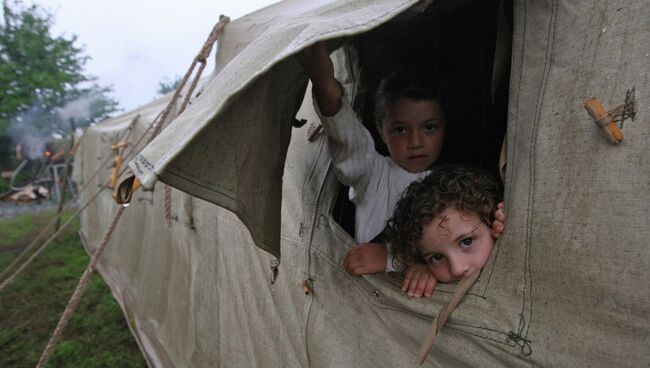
(376, 182)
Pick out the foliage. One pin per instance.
(4, 185)
(97, 335)
(42, 80)
(166, 85)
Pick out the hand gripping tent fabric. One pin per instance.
(255, 200)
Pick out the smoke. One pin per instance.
(79, 109)
(29, 140)
(33, 128)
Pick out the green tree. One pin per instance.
(41, 74)
(166, 85)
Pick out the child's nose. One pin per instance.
(415, 139)
(458, 267)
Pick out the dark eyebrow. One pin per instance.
(425, 255)
(434, 120)
(466, 235)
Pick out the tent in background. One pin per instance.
(566, 285)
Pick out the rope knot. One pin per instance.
(520, 341)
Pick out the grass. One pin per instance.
(30, 308)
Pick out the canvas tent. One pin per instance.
(566, 285)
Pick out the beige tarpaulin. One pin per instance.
(566, 286)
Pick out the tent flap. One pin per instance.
(229, 147)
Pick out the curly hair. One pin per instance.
(466, 189)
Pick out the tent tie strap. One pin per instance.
(117, 165)
(463, 287)
(117, 162)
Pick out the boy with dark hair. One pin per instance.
(412, 127)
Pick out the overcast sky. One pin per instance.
(134, 44)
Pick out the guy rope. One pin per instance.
(157, 126)
(60, 214)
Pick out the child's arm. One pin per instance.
(499, 224)
(418, 281)
(370, 258)
(366, 258)
(318, 65)
(351, 145)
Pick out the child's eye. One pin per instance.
(436, 258)
(430, 127)
(399, 130)
(466, 242)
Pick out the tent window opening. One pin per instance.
(458, 49)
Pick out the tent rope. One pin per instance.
(40, 250)
(74, 216)
(205, 51)
(200, 58)
(12, 278)
(168, 206)
(64, 181)
(78, 292)
(157, 124)
(463, 287)
(72, 200)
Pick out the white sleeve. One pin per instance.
(392, 263)
(351, 147)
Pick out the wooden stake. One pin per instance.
(604, 120)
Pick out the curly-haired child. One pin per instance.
(444, 221)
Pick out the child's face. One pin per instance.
(413, 130)
(455, 245)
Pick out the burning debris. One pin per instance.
(39, 175)
(27, 194)
(43, 165)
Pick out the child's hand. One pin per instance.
(317, 63)
(418, 281)
(499, 224)
(320, 69)
(366, 258)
